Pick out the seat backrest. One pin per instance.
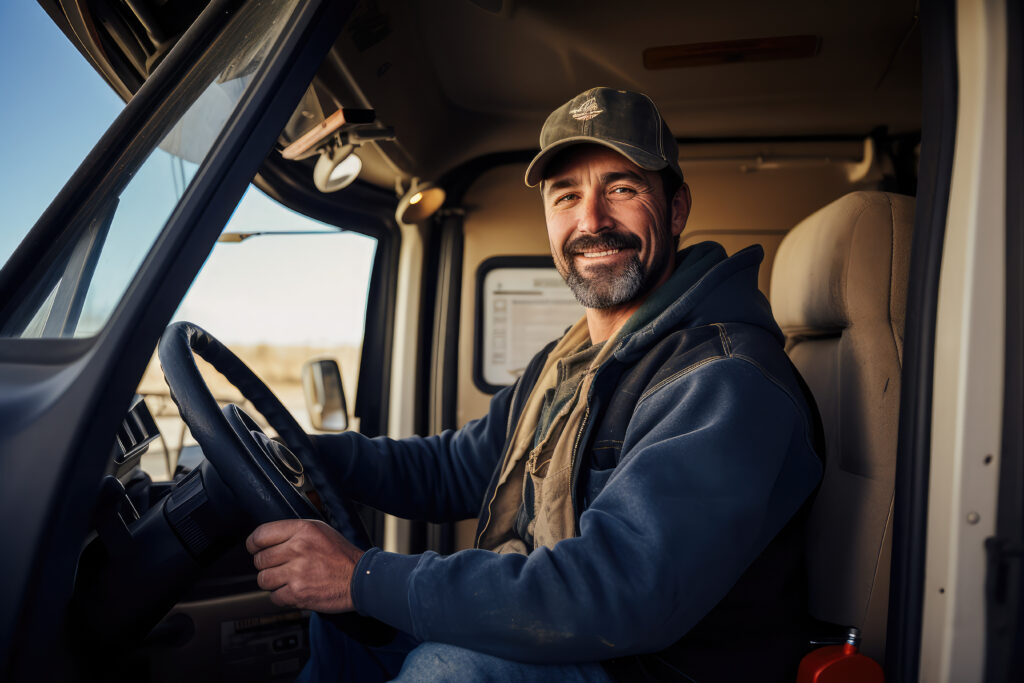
(838, 291)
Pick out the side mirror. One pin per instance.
(325, 397)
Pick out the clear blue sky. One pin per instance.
(277, 290)
(54, 108)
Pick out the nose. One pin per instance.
(593, 216)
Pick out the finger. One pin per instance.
(274, 556)
(283, 598)
(272, 533)
(271, 579)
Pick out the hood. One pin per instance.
(707, 287)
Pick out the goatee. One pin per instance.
(604, 285)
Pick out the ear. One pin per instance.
(681, 202)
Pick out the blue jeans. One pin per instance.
(334, 656)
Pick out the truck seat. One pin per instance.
(838, 291)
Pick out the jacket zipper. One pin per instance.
(574, 477)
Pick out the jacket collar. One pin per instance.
(706, 287)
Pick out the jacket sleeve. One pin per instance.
(440, 478)
(715, 462)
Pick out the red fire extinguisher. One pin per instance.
(840, 664)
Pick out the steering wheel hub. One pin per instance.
(285, 460)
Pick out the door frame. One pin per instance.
(61, 400)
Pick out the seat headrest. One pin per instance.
(828, 274)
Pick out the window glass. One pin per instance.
(294, 290)
(44, 79)
(91, 271)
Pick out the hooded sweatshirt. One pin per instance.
(694, 455)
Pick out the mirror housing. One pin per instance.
(325, 397)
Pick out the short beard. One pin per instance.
(604, 286)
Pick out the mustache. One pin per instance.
(602, 242)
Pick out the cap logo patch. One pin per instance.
(586, 111)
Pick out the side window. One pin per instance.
(39, 94)
(278, 289)
(76, 286)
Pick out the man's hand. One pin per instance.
(305, 564)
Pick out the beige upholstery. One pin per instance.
(838, 291)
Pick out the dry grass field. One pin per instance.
(279, 367)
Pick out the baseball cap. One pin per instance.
(625, 121)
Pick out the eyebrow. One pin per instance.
(560, 184)
(606, 179)
(615, 176)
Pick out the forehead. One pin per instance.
(579, 161)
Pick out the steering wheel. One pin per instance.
(265, 476)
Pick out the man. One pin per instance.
(640, 484)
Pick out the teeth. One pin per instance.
(595, 254)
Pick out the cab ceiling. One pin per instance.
(457, 79)
(461, 78)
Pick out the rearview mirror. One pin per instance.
(325, 397)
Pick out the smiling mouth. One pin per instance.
(598, 254)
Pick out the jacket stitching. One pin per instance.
(808, 427)
(724, 336)
(685, 371)
(760, 369)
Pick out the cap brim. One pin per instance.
(643, 159)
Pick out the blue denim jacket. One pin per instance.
(698, 453)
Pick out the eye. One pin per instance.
(623, 191)
(568, 196)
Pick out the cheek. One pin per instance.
(555, 243)
(556, 249)
(650, 228)
(558, 232)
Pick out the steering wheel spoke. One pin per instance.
(269, 479)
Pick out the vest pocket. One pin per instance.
(554, 518)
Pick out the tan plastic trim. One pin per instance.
(314, 136)
(402, 400)
(969, 363)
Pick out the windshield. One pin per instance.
(91, 264)
(279, 289)
(37, 91)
